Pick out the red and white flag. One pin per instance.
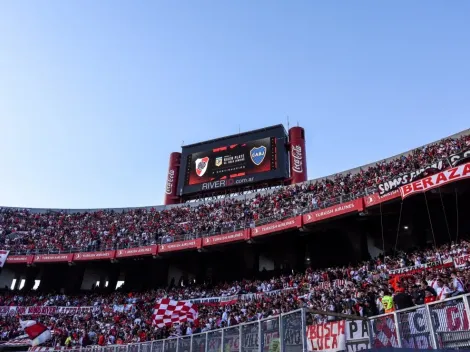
(168, 312)
(37, 332)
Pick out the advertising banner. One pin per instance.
(445, 177)
(354, 206)
(53, 258)
(20, 259)
(237, 236)
(137, 252)
(277, 226)
(77, 257)
(376, 198)
(180, 246)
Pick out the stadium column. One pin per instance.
(113, 276)
(171, 186)
(31, 274)
(358, 244)
(298, 159)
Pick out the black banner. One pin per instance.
(460, 158)
(404, 179)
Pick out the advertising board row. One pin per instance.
(242, 235)
(348, 208)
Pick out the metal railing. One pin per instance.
(283, 333)
(439, 325)
(442, 324)
(165, 238)
(298, 211)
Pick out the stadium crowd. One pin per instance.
(24, 231)
(125, 317)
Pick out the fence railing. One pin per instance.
(443, 325)
(164, 238)
(283, 333)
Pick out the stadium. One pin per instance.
(247, 254)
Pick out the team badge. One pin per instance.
(218, 161)
(201, 166)
(257, 155)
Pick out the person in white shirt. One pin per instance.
(433, 283)
(225, 316)
(443, 291)
(457, 285)
(189, 330)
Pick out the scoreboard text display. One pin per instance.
(233, 161)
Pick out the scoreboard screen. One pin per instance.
(233, 161)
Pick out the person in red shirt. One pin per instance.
(101, 340)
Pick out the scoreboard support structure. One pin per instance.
(298, 155)
(297, 169)
(172, 179)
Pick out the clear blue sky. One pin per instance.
(94, 95)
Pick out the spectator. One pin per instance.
(457, 285)
(25, 231)
(402, 300)
(443, 291)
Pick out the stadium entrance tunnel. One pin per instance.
(437, 217)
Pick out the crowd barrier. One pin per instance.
(438, 325)
(442, 324)
(285, 332)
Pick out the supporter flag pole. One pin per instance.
(430, 220)
(398, 226)
(445, 215)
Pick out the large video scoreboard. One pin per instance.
(234, 161)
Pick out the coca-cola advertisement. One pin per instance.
(170, 182)
(298, 163)
(297, 158)
(172, 178)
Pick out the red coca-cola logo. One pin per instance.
(297, 159)
(169, 181)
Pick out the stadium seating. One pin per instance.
(126, 317)
(23, 231)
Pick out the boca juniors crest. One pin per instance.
(201, 166)
(258, 154)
